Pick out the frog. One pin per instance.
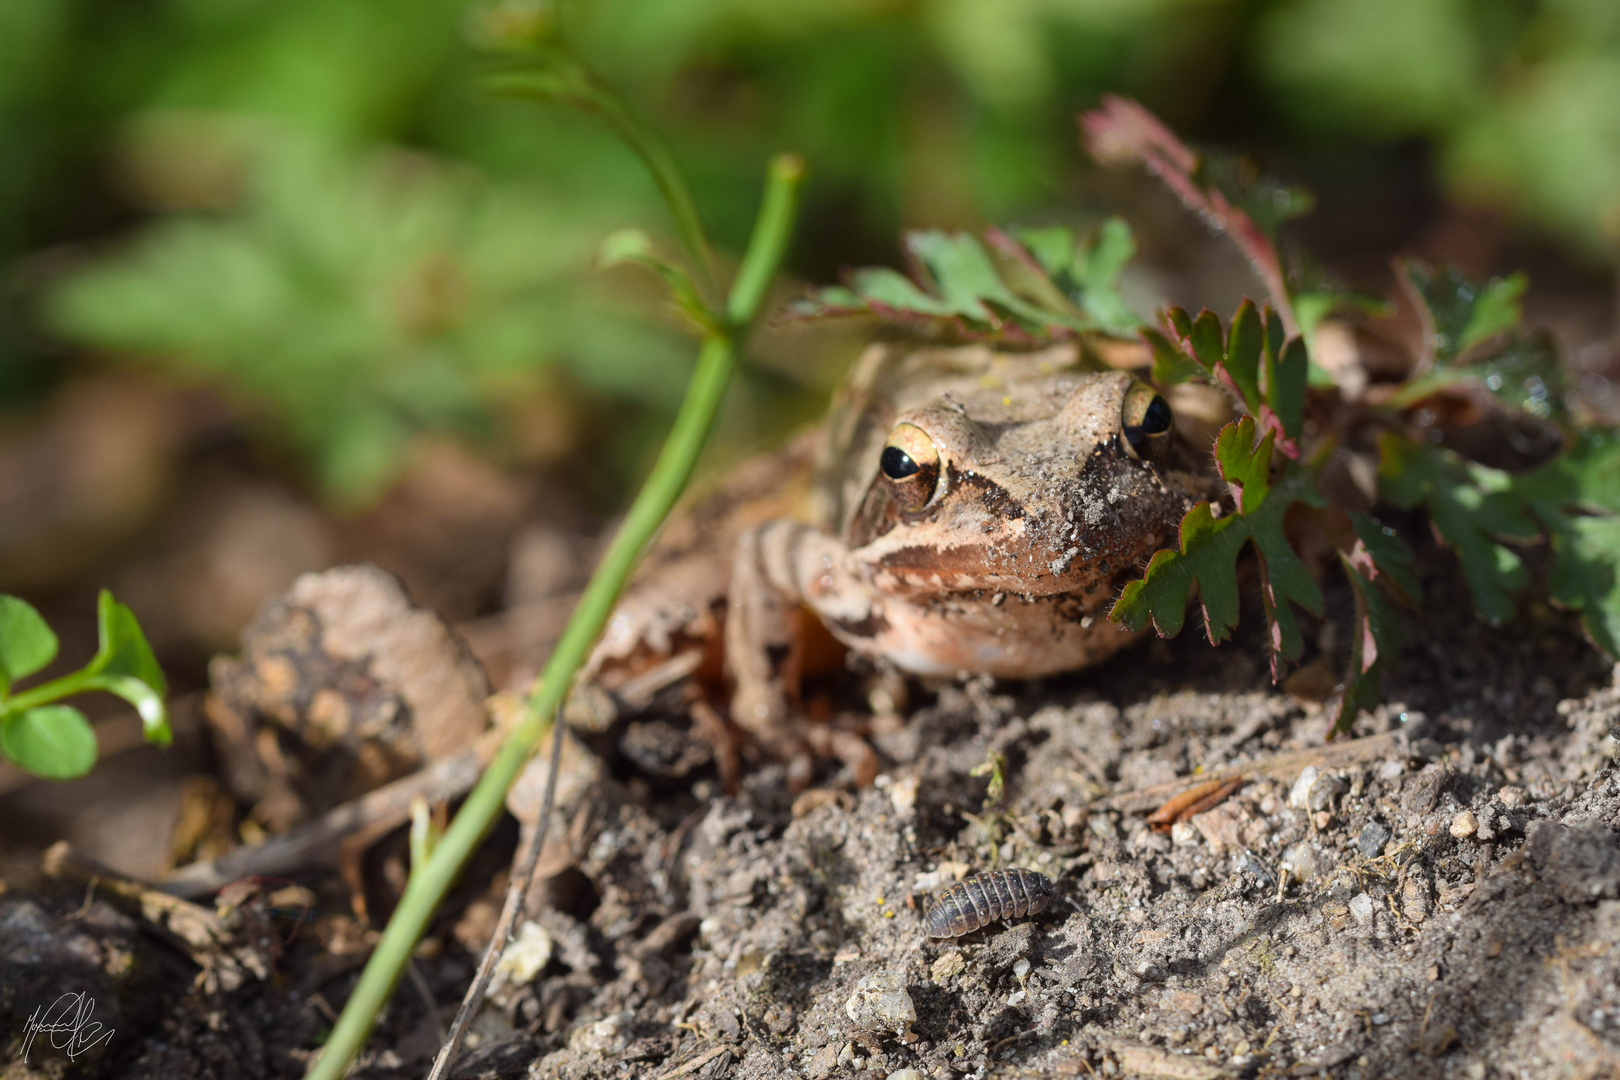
(968, 510)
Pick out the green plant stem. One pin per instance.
(426, 887)
(75, 682)
(555, 72)
(660, 161)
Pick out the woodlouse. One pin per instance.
(983, 898)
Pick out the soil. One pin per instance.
(1439, 897)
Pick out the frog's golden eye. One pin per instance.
(1144, 421)
(910, 465)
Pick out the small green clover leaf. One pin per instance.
(1087, 269)
(26, 643)
(56, 741)
(1521, 370)
(124, 665)
(1210, 547)
(53, 741)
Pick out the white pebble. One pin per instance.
(1464, 825)
(1361, 906)
(903, 795)
(527, 954)
(880, 1003)
(1300, 861)
(1021, 968)
(1299, 796)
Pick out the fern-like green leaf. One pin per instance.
(1458, 313)
(1376, 636)
(1210, 547)
(1521, 370)
(1576, 498)
(1265, 371)
(1471, 510)
(1027, 287)
(1378, 562)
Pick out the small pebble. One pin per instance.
(1464, 825)
(906, 1074)
(880, 1003)
(1361, 906)
(1512, 797)
(903, 794)
(1299, 795)
(1300, 861)
(1021, 968)
(1371, 840)
(525, 956)
(1017, 997)
(1184, 834)
(946, 966)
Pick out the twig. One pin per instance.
(694, 1064)
(384, 808)
(516, 892)
(1284, 766)
(419, 981)
(1121, 131)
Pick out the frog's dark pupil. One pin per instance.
(1155, 421)
(897, 464)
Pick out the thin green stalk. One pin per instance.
(426, 888)
(660, 161)
(75, 682)
(550, 70)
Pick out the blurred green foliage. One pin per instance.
(360, 299)
(360, 163)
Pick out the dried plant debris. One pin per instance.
(342, 685)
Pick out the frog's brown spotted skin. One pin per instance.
(972, 511)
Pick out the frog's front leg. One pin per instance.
(781, 568)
